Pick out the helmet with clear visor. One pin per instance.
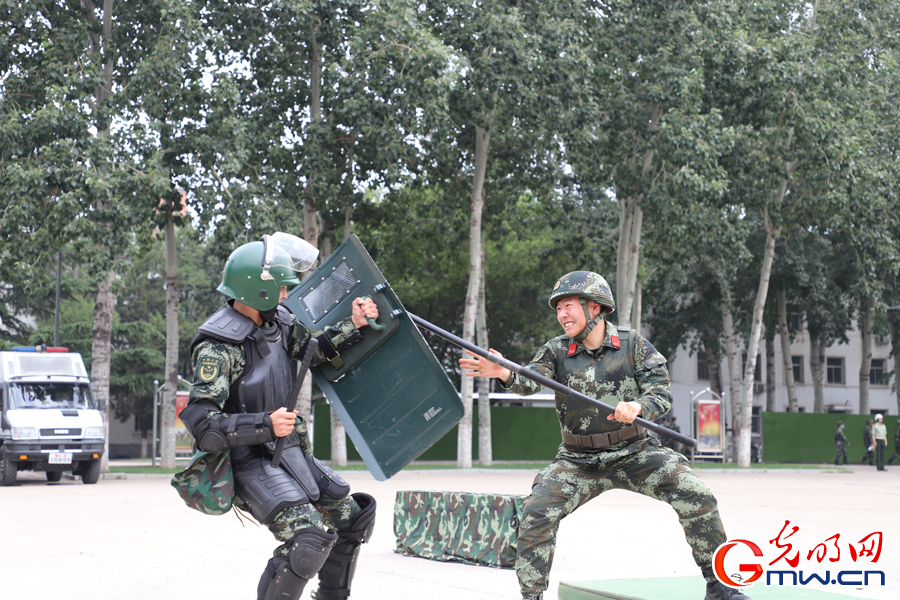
(255, 272)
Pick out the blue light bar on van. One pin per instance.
(39, 349)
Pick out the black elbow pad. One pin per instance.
(221, 433)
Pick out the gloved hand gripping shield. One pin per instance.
(389, 391)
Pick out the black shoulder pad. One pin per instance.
(228, 325)
(284, 316)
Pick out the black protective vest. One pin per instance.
(266, 382)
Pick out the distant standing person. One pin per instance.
(896, 443)
(840, 444)
(879, 440)
(867, 443)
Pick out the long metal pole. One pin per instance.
(553, 385)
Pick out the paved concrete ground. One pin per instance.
(132, 538)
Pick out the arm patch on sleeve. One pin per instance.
(209, 368)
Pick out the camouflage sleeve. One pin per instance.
(341, 335)
(543, 363)
(303, 431)
(653, 380)
(216, 366)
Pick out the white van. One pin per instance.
(49, 419)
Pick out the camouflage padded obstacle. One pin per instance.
(207, 484)
(474, 529)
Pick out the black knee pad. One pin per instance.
(337, 573)
(279, 582)
(364, 523)
(309, 550)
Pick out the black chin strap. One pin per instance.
(591, 323)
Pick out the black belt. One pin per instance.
(602, 440)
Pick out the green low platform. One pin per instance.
(677, 588)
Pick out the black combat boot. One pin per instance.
(720, 591)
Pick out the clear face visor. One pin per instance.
(286, 250)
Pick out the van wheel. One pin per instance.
(8, 470)
(54, 476)
(89, 471)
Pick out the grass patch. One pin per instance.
(768, 466)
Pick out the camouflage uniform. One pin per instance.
(867, 442)
(640, 464)
(217, 365)
(840, 443)
(896, 443)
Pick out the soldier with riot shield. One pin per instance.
(599, 451)
(242, 382)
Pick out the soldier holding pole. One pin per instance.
(603, 451)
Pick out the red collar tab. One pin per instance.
(572, 348)
(615, 340)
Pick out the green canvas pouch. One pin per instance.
(207, 484)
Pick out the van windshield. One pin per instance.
(50, 395)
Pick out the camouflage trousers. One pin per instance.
(652, 470)
(840, 450)
(326, 513)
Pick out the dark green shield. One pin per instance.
(390, 393)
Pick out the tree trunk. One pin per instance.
(746, 408)
(167, 441)
(816, 358)
(866, 324)
(770, 373)
(732, 357)
(100, 353)
(786, 360)
(636, 308)
(144, 443)
(101, 336)
(630, 222)
(338, 434)
(485, 449)
(712, 362)
(894, 328)
(476, 273)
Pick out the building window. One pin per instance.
(755, 417)
(834, 370)
(702, 367)
(794, 322)
(757, 373)
(797, 362)
(876, 373)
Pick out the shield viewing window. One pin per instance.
(329, 293)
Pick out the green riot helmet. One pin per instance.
(584, 285)
(255, 272)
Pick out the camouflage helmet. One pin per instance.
(255, 272)
(583, 284)
(868, 421)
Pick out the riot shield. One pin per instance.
(390, 392)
